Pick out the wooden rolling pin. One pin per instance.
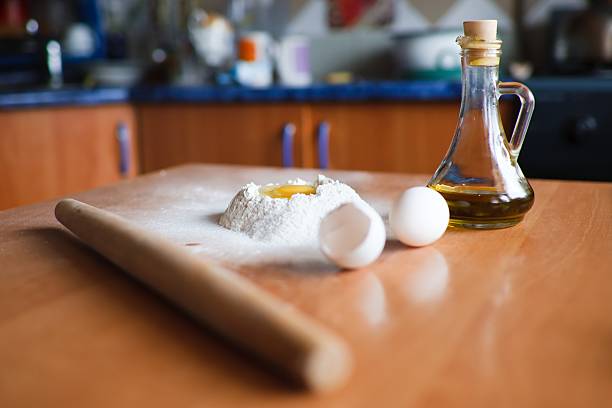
(223, 300)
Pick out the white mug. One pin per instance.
(293, 61)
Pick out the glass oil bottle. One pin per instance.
(480, 177)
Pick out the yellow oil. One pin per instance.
(484, 207)
(287, 190)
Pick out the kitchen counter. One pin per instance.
(358, 92)
(363, 91)
(416, 90)
(62, 97)
(514, 317)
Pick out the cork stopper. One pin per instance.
(480, 38)
(485, 30)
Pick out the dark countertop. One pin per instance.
(417, 90)
(362, 91)
(63, 97)
(365, 91)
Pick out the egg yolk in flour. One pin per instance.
(287, 190)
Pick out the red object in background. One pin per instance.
(13, 14)
(349, 13)
(247, 50)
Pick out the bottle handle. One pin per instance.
(527, 106)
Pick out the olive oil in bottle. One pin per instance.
(480, 177)
(482, 207)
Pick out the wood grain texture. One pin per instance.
(233, 134)
(45, 153)
(504, 318)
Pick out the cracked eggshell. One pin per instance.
(352, 236)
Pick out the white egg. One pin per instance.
(419, 216)
(352, 235)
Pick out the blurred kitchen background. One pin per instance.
(93, 91)
(119, 42)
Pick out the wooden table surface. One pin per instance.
(520, 317)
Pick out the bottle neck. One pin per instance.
(480, 75)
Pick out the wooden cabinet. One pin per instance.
(46, 153)
(49, 152)
(399, 137)
(254, 134)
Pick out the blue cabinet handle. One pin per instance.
(323, 144)
(123, 139)
(288, 135)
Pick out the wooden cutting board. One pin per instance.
(515, 317)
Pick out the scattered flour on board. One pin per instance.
(189, 214)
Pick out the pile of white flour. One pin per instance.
(293, 220)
